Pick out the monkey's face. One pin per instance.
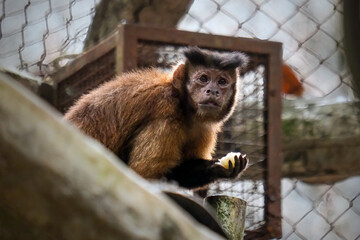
(211, 92)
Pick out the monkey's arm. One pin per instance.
(194, 173)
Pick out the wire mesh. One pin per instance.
(35, 35)
(323, 211)
(311, 32)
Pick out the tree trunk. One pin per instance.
(109, 13)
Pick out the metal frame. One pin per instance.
(125, 42)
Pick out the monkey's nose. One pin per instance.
(212, 92)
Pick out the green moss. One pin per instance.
(231, 214)
(295, 127)
(289, 127)
(309, 127)
(223, 212)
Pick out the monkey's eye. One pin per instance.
(204, 79)
(222, 81)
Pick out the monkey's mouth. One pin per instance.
(209, 103)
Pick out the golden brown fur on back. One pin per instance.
(119, 107)
(164, 124)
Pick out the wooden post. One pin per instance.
(231, 212)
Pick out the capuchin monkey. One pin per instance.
(166, 125)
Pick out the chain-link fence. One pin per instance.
(311, 33)
(34, 35)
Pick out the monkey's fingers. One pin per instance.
(244, 162)
(241, 163)
(231, 167)
(237, 168)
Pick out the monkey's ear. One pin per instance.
(179, 77)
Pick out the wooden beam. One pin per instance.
(56, 183)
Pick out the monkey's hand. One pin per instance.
(233, 164)
(194, 173)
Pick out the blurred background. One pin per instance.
(320, 198)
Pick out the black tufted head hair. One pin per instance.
(223, 61)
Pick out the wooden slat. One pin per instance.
(85, 58)
(274, 143)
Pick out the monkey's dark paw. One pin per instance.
(233, 164)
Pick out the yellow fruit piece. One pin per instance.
(229, 157)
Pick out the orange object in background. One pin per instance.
(291, 84)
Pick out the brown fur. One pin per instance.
(156, 121)
(114, 111)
